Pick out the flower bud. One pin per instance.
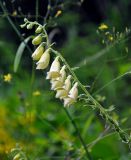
(30, 26)
(54, 69)
(25, 19)
(23, 25)
(44, 60)
(38, 52)
(38, 29)
(37, 40)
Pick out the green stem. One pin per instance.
(124, 136)
(78, 134)
(48, 11)
(37, 9)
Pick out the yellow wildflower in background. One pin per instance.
(59, 12)
(7, 77)
(14, 13)
(103, 27)
(110, 38)
(36, 93)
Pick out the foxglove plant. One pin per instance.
(61, 77)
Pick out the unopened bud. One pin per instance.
(30, 26)
(37, 40)
(25, 19)
(23, 25)
(38, 29)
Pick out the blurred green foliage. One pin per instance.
(38, 122)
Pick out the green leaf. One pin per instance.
(87, 125)
(19, 53)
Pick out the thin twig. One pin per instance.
(14, 27)
(48, 11)
(115, 79)
(37, 10)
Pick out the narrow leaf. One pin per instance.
(19, 53)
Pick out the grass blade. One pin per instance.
(19, 53)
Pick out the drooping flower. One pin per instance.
(38, 52)
(44, 60)
(74, 91)
(68, 101)
(64, 91)
(54, 69)
(72, 97)
(59, 82)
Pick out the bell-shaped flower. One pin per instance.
(68, 101)
(72, 97)
(38, 52)
(59, 82)
(64, 91)
(74, 91)
(44, 60)
(54, 69)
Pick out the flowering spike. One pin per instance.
(44, 60)
(38, 52)
(54, 70)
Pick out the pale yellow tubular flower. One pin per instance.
(67, 84)
(63, 74)
(74, 91)
(72, 97)
(59, 82)
(68, 101)
(56, 84)
(64, 91)
(54, 69)
(38, 52)
(44, 60)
